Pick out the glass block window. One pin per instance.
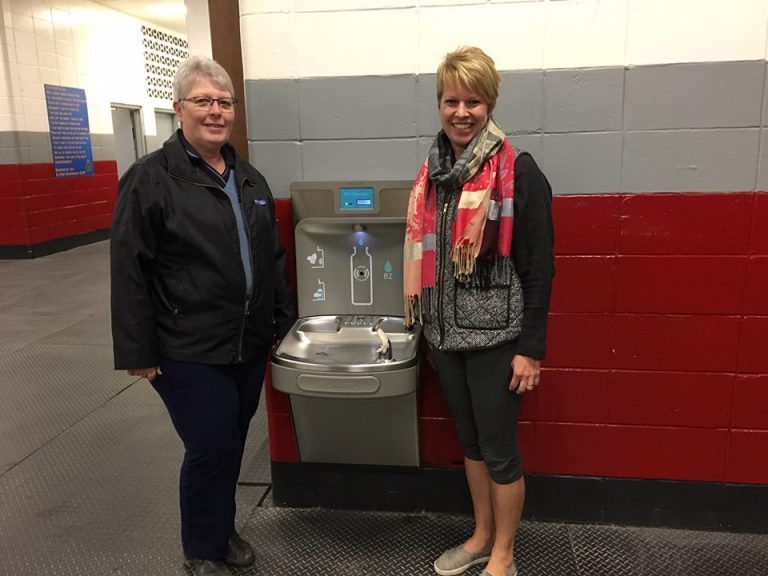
(163, 52)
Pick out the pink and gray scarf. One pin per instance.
(485, 175)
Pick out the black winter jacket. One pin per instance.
(178, 284)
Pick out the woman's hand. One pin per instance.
(148, 373)
(525, 374)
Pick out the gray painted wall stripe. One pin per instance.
(357, 108)
(582, 163)
(427, 121)
(720, 160)
(272, 110)
(762, 175)
(361, 160)
(597, 95)
(765, 97)
(711, 95)
(279, 162)
(21, 147)
(678, 127)
(520, 107)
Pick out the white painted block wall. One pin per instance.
(74, 43)
(310, 38)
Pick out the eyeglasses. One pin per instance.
(205, 103)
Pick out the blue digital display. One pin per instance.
(356, 199)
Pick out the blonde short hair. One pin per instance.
(470, 68)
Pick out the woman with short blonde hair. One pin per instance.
(478, 276)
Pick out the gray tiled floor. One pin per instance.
(89, 465)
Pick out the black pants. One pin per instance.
(211, 407)
(475, 384)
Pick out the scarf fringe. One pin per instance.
(490, 273)
(413, 311)
(464, 261)
(477, 273)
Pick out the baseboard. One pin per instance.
(19, 252)
(573, 499)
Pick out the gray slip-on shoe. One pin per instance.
(457, 560)
(511, 572)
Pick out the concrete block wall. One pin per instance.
(656, 128)
(71, 43)
(650, 119)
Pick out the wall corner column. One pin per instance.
(226, 49)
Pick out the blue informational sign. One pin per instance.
(70, 133)
(356, 198)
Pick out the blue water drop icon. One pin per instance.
(388, 266)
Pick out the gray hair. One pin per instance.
(198, 67)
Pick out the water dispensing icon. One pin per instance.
(319, 293)
(361, 264)
(317, 258)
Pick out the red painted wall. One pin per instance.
(36, 207)
(658, 345)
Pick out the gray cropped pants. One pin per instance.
(475, 384)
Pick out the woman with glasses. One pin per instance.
(199, 293)
(478, 276)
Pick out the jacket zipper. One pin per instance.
(246, 312)
(248, 296)
(440, 277)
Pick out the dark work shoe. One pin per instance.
(239, 553)
(198, 567)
